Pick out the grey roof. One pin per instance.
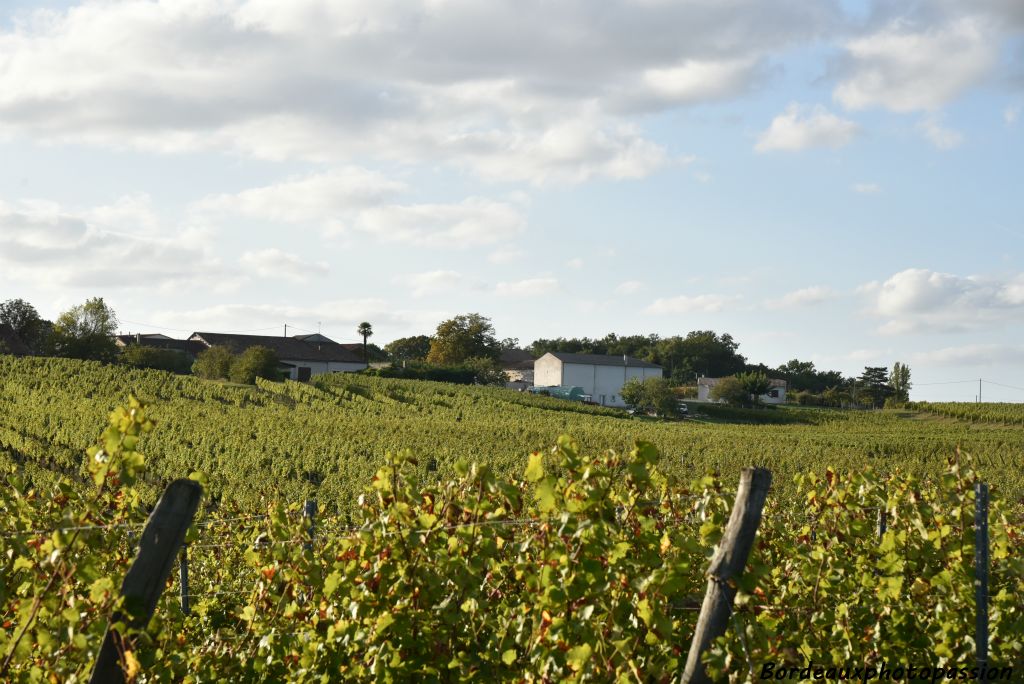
(160, 341)
(286, 348)
(602, 360)
(516, 359)
(711, 382)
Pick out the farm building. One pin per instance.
(518, 366)
(600, 376)
(300, 358)
(160, 341)
(776, 395)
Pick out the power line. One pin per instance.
(992, 382)
(950, 382)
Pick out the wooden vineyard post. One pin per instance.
(727, 565)
(981, 574)
(183, 579)
(146, 578)
(309, 513)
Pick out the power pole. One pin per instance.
(979, 390)
(286, 330)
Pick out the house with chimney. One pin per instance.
(300, 357)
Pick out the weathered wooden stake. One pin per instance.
(727, 564)
(183, 579)
(981, 573)
(146, 578)
(883, 522)
(309, 512)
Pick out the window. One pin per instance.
(774, 394)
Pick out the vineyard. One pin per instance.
(454, 543)
(291, 441)
(1002, 413)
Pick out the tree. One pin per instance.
(651, 395)
(413, 348)
(214, 363)
(731, 391)
(87, 331)
(27, 324)
(254, 362)
(509, 343)
(899, 380)
(486, 371)
(366, 330)
(754, 384)
(873, 386)
(464, 337)
(138, 356)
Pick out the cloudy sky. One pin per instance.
(834, 181)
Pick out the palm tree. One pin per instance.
(366, 330)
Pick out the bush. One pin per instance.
(137, 356)
(731, 391)
(651, 395)
(214, 363)
(254, 362)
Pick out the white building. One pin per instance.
(300, 357)
(775, 395)
(602, 377)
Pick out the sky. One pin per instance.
(831, 181)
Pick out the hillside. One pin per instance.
(289, 441)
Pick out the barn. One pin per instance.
(601, 376)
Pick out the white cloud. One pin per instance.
(799, 128)
(506, 90)
(940, 136)
(629, 287)
(531, 287)
(276, 263)
(574, 263)
(906, 67)
(707, 303)
(972, 355)
(474, 221)
(919, 300)
(433, 282)
(807, 296)
(866, 188)
(506, 255)
(357, 199)
(317, 197)
(56, 247)
(1011, 114)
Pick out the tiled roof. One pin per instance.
(286, 348)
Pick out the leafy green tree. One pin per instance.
(731, 391)
(486, 371)
(755, 385)
(27, 324)
(87, 331)
(651, 395)
(413, 348)
(899, 380)
(366, 331)
(464, 337)
(254, 362)
(138, 356)
(214, 363)
(873, 386)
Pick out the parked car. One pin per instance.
(684, 410)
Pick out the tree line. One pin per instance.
(466, 349)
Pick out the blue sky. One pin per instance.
(838, 182)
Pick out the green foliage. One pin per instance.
(254, 362)
(731, 391)
(464, 337)
(87, 332)
(899, 380)
(27, 324)
(413, 348)
(581, 565)
(139, 356)
(873, 386)
(651, 395)
(754, 384)
(214, 363)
